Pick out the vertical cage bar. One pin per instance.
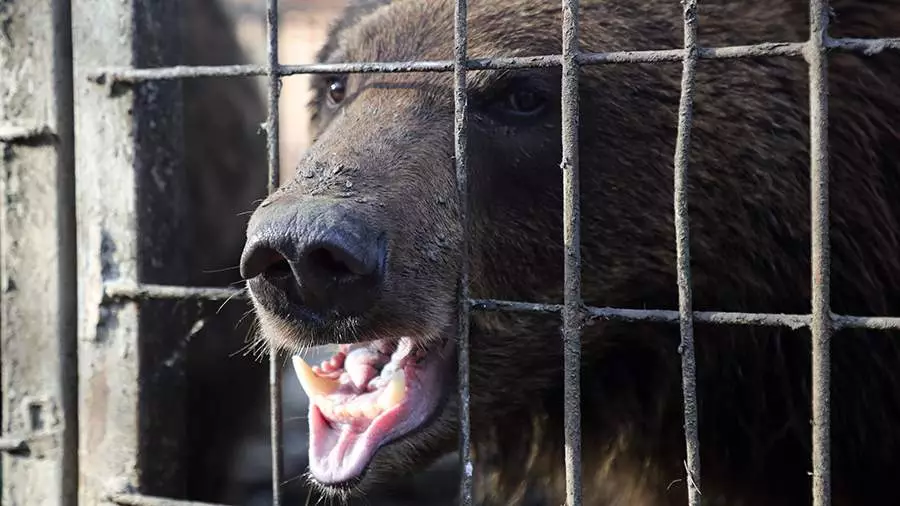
(37, 340)
(573, 312)
(460, 29)
(131, 409)
(275, 376)
(67, 324)
(821, 323)
(683, 252)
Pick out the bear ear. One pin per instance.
(353, 10)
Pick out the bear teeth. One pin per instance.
(313, 384)
(367, 407)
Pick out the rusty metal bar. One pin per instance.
(460, 138)
(821, 324)
(275, 376)
(683, 252)
(572, 310)
(37, 260)
(769, 49)
(146, 500)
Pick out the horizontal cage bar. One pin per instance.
(117, 291)
(12, 444)
(15, 133)
(146, 500)
(772, 49)
(794, 321)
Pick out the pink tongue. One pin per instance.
(361, 376)
(341, 452)
(361, 365)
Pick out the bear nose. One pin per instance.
(318, 254)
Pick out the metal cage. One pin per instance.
(104, 381)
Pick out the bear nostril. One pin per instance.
(278, 269)
(265, 261)
(335, 265)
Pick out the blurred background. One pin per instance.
(302, 29)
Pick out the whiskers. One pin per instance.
(333, 495)
(242, 293)
(266, 331)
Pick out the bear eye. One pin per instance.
(336, 90)
(518, 99)
(524, 102)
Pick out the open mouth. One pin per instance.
(366, 396)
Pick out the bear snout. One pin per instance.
(317, 255)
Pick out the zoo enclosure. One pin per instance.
(109, 89)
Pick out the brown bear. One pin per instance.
(362, 248)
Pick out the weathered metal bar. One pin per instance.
(820, 324)
(663, 315)
(572, 311)
(866, 46)
(793, 321)
(124, 291)
(131, 197)
(146, 500)
(12, 444)
(683, 252)
(768, 49)
(12, 133)
(275, 376)
(37, 263)
(460, 137)
(865, 322)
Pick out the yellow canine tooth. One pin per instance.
(371, 410)
(394, 392)
(312, 383)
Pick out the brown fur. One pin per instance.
(387, 151)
